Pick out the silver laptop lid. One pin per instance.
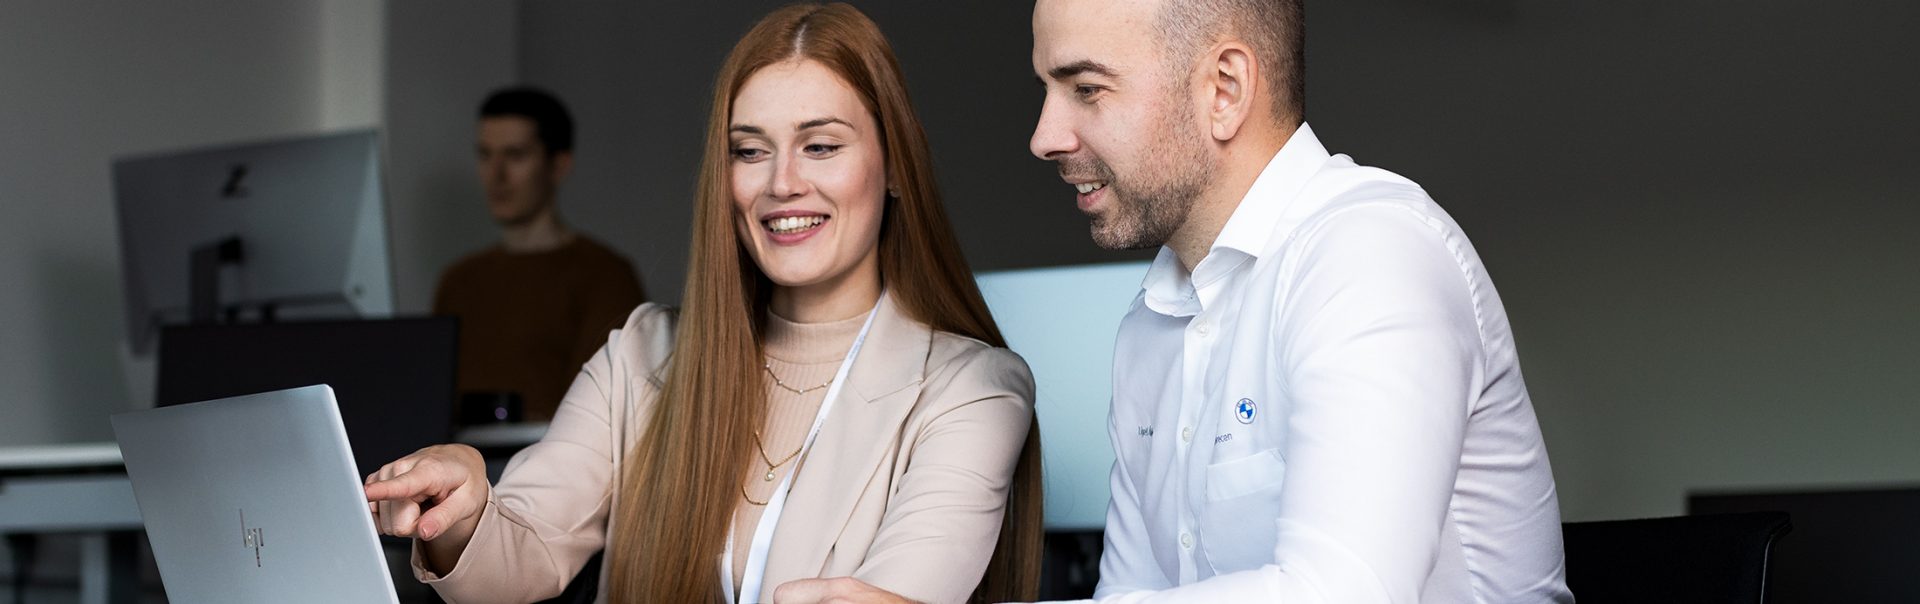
(254, 499)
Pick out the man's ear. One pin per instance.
(1233, 81)
(562, 165)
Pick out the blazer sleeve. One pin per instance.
(943, 521)
(548, 514)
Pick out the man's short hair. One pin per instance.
(550, 119)
(1274, 28)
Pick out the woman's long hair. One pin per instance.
(682, 477)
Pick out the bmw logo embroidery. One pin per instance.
(1244, 410)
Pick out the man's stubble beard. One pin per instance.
(1149, 206)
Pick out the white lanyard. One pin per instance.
(763, 533)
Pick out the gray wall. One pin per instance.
(1698, 213)
(442, 58)
(86, 82)
(90, 81)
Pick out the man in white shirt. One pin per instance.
(1316, 395)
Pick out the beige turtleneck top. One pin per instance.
(804, 357)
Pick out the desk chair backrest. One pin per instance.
(1850, 544)
(1710, 559)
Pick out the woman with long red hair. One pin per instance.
(833, 399)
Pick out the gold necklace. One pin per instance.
(784, 386)
(772, 466)
(749, 498)
(761, 445)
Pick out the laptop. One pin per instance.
(254, 499)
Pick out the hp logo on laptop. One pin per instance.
(252, 538)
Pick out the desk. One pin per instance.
(83, 488)
(501, 436)
(77, 488)
(15, 460)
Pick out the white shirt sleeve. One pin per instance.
(1377, 338)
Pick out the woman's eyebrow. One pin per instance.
(822, 121)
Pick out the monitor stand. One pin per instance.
(204, 276)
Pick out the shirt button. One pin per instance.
(1186, 434)
(1186, 540)
(1201, 329)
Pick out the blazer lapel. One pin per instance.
(865, 422)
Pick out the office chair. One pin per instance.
(1850, 544)
(1716, 558)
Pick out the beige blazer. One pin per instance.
(905, 487)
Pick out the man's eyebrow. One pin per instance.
(822, 121)
(1079, 67)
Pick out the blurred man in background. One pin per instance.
(534, 306)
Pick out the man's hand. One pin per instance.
(838, 590)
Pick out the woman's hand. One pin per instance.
(838, 590)
(435, 494)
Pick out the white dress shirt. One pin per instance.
(1329, 408)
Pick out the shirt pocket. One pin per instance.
(1243, 499)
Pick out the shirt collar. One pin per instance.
(1252, 225)
(1170, 289)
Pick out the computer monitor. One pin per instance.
(394, 378)
(290, 228)
(1063, 320)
